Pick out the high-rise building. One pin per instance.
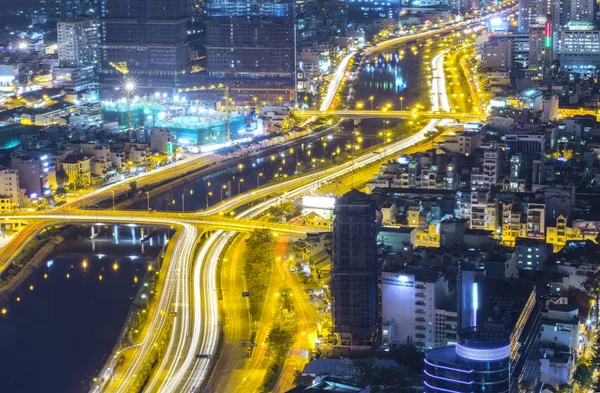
(496, 341)
(148, 35)
(78, 42)
(253, 43)
(580, 48)
(409, 301)
(354, 273)
(534, 12)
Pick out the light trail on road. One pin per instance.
(183, 370)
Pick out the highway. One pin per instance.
(390, 114)
(193, 370)
(189, 278)
(336, 81)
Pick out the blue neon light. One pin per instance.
(440, 389)
(484, 355)
(449, 368)
(448, 379)
(475, 305)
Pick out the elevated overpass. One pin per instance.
(368, 114)
(208, 222)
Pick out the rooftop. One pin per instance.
(503, 301)
(75, 158)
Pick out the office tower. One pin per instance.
(580, 48)
(78, 43)
(148, 35)
(253, 42)
(355, 270)
(496, 341)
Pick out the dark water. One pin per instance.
(56, 337)
(388, 76)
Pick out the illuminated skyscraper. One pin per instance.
(495, 351)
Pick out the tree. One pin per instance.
(60, 191)
(280, 338)
(596, 353)
(592, 287)
(133, 186)
(583, 375)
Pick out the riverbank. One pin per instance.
(30, 260)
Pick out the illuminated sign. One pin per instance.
(317, 202)
(548, 34)
(484, 355)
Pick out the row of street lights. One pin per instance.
(361, 105)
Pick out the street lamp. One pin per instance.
(113, 198)
(360, 105)
(148, 199)
(371, 99)
(260, 174)
(129, 88)
(183, 202)
(401, 103)
(207, 195)
(223, 188)
(239, 182)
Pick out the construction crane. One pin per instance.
(120, 67)
(129, 85)
(220, 86)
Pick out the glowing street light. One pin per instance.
(129, 87)
(223, 188)
(260, 174)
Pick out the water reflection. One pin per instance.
(60, 325)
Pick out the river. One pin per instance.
(390, 75)
(63, 322)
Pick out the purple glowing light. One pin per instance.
(484, 355)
